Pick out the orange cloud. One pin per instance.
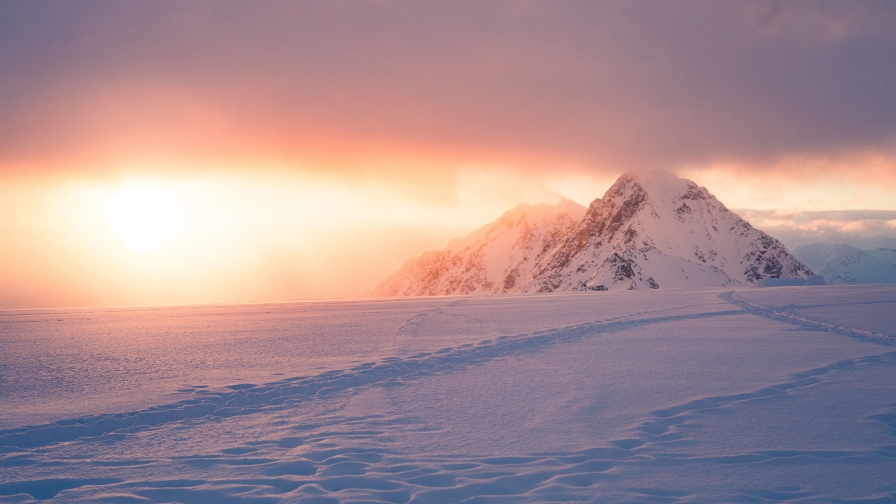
(318, 145)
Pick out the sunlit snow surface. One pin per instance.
(755, 395)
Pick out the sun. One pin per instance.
(143, 216)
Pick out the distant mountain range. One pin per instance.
(650, 230)
(842, 264)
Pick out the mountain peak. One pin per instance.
(495, 258)
(659, 186)
(651, 229)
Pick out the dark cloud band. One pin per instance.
(609, 84)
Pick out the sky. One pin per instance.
(304, 150)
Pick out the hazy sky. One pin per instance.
(311, 147)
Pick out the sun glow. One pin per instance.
(143, 216)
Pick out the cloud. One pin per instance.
(859, 228)
(441, 114)
(606, 86)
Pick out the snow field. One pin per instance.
(649, 396)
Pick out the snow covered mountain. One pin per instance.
(842, 264)
(495, 258)
(657, 230)
(650, 230)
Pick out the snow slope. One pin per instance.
(843, 264)
(650, 230)
(495, 258)
(752, 395)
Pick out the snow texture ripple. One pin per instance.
(650, 396)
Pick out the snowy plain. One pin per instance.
(718, 395)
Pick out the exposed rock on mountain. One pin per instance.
(657, 230)
(495, 258)
(842, 264)
(649, 231)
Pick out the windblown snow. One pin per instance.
(650, 230)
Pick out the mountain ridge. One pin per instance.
(649, 230)
(491, 258)
(844, 264)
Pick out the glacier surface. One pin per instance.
(674, 395)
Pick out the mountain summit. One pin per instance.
(650, 230)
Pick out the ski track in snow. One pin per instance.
(298, 447)
(785, 315)
(247, 398)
